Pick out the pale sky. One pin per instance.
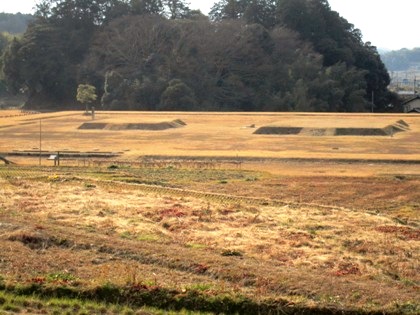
(386, 24)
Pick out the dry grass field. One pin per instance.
(213, 134)
(306, 224)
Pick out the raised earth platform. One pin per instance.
(383, 137)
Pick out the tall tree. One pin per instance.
(147, 6)
(261, 12)
(8, 48)
(177, 9)
(377, 77)
(338, 41)
(86, 94)
(252, 11)
(227, 9)
(36, 63)
(48, 56)
(177, 96)
(86, 13)
(155, 54)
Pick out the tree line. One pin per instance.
(5, 40)
(402, 60)
(14, 23)
(246, 55)
(11, 25)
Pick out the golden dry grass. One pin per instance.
(317, 233)
(214, 134)
(98, 228)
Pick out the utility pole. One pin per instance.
(40, 141)
(373, 100)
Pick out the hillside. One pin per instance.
(14, 23)
(279, 56)
(402, 60)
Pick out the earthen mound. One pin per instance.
(317, 132)
(389, 130)
(93, 126)
(402, 122)
(134, 126)
(360, 132)
(392, 129)
(278, 130)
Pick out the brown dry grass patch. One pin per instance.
(321, 233)
(101, 231)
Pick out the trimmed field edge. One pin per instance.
(277, 159)
(140, 295)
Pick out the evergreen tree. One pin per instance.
(177, 96)
(158, 54)
(86, 94)
(176, 9)
(147, 6)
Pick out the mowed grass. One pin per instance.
(200, 237)
(214, 135)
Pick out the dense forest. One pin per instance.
(5, 40)
(10, 26)
(246, 55)
(402, 60)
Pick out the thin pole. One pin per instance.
(40, 142)
(373, 100)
